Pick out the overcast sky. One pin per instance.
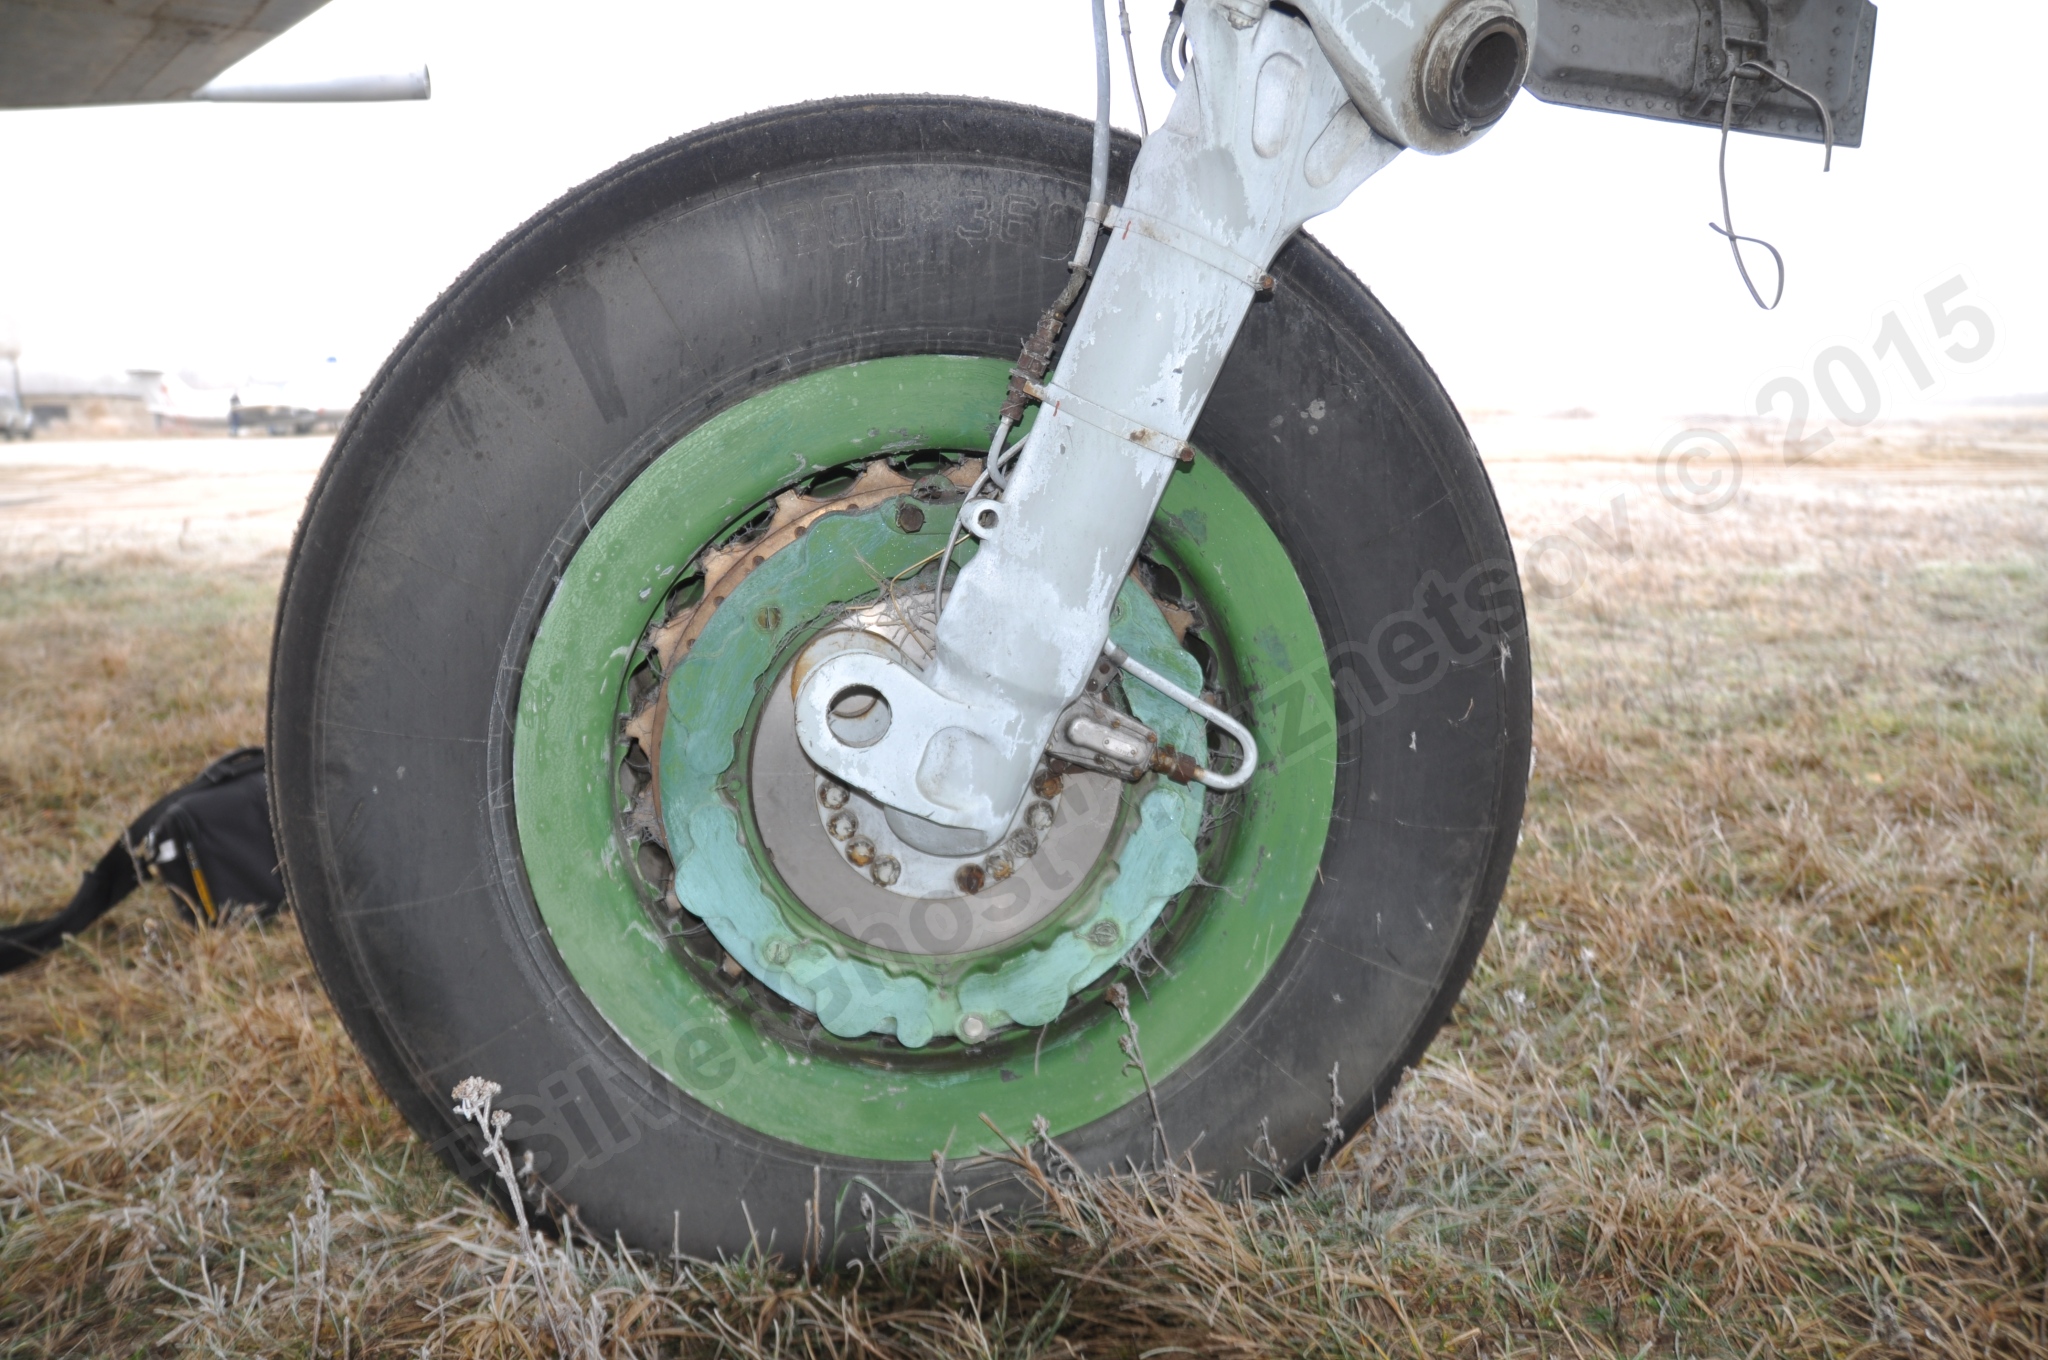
(1563, 262)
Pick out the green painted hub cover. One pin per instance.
(861, 1099)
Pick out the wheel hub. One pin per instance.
(837, 850)
(839, 905)
(883, 877)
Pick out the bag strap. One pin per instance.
(105, 884)
(233, 765)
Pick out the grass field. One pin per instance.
(1754, 1064)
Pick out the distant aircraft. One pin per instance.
(309, 400)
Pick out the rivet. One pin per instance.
(969, 879)
(973, 1028)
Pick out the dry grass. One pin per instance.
(1755, 1064)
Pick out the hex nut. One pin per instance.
(909, 516)
(833, 795)
(1023, 844)
(1039, 817)
(1047, 786)
(842, 825)
(886, 870)
(860, 852)
(999, 866)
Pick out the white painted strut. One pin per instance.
(1262, 136)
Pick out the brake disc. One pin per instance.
(806, 883)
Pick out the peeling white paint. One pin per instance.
(1216, 191)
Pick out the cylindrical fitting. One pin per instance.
(1178, 766)
(1476, 61)
(1433, 75)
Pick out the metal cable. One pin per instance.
(1123, 15)
(992, 470)
(1726, 226)
(1038, 350)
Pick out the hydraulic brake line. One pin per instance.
(1249, 759)
(1123, 16)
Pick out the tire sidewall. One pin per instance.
(420, 920)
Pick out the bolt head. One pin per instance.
(909, 516)
(1048, 786)
(886, 870)
(1039, 817)
(999, 866)
(860, 852)
(833, 795)
(970, 879)
(973, 1028)
(842, 825)
(1023, 844)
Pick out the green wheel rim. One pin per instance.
(568, 800)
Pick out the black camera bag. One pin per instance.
(209, 843)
